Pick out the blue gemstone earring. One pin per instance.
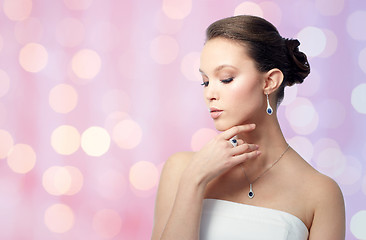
(269, 109)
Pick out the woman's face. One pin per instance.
(233, 87)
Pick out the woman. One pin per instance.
(247, 182)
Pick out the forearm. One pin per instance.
(184, 220)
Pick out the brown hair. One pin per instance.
(266, 46)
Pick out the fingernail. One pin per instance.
(259, 153)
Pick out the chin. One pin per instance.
(224, 126)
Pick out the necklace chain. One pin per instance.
(251, 193)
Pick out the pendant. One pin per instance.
(251, 193)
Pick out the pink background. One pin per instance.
(96, 94)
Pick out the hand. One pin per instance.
(219, 155)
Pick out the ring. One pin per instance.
(234, 142)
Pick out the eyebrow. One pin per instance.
(217, 69)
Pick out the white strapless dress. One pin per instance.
(225, 220)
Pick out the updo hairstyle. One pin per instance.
(265, 46)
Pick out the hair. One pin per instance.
(265, 46)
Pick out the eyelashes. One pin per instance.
(225, 81)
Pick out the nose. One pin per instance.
(211, 92)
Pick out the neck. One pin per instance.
(268, 136)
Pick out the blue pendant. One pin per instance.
(269, 111)
(251, 193)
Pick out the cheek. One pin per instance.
(244, 92)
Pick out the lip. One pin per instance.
(215, 112)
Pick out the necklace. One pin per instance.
(251, 193)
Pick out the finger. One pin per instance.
(240, 141)
(230, 133)
(244, 148)
(237, 159)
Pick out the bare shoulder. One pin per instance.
(323, 188)
(175, 165)
(173, 169)
(319, 186)
(328, 207)
(168, 186)
(178, 160)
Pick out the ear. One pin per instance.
(273, 80)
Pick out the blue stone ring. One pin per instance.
(234, 142)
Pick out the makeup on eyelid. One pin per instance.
(228, 80)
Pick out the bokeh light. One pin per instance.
(21, 158)
(325, 143)
(313, 41)
(65, 140)
(127, 134)
(331, 45)
(164, 49)
(4, 83)
(201, 137)
(351, 175)
(77, 180)
(131, 69)
(86, 64)
(58, 180)
(290, 95)
(248, 8)
(17, 10)
(6, 143)
(144, 175)
(358, 98)
(70, 32)
(59, 218)
(355, 25)
(114, 118)
(331, 162)
(177, 9)
(63, 98)
(107, 223)
(33, 57)
(95, 141)
(302, 116)
(302, 146)
(358, 224)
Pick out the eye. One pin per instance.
(228, 80)
(205, 84)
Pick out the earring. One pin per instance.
(269, 109)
